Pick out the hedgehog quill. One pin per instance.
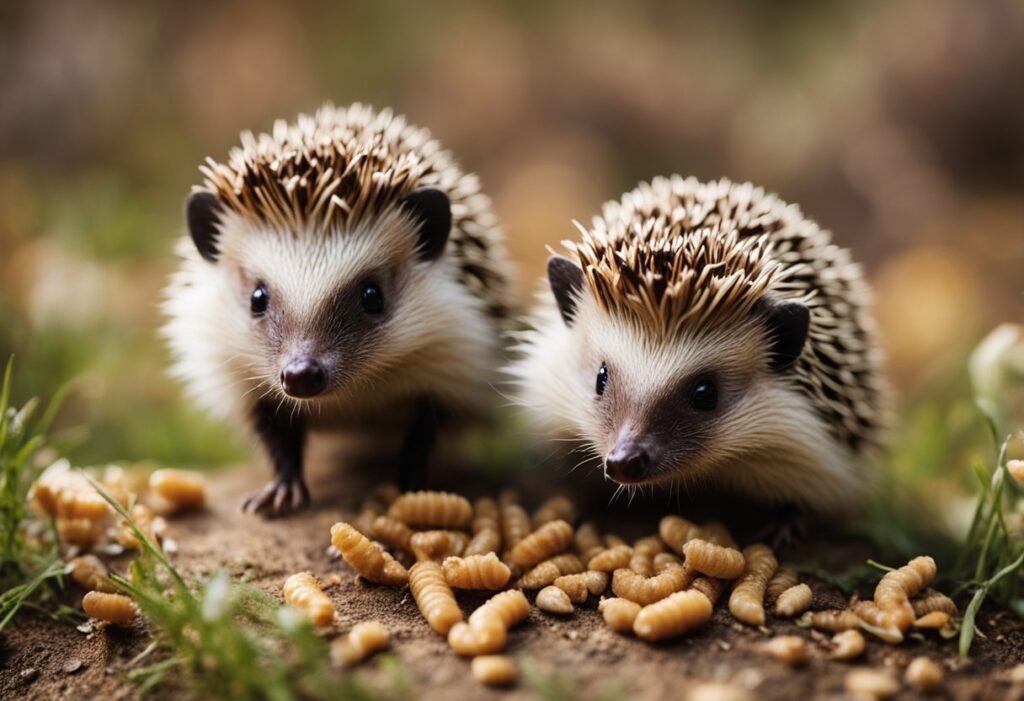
(339, 273)
(708, 333)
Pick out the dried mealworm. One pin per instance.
(392, 532)
(487, 629)
(784, 578)
(611, 559)
(892, 595)
(788, 649)
(587, 541)
(433, 596)
(362, 641)
(494, 670)
(680, 613)
(432, 510)
(548, 571)
(90, 573)
(835, 621)
(431, 545)
(547, 541)
(112, 608)
(83, 532)
(924, 675)
(662, 561)
(747, 599)
(476, 572)
(631, 585)
(877, 622)
(931, 600)
(554, 600)
(847, 645)
(871, 684)
(710, 587)
(303, 592)
(515, 524)
(366, 557)
(713, 560)
(486, 528)
(579, 586)
(183, 489)
(794, 601)
(554, 509)
(677, 532)
(619, 614)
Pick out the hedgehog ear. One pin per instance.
(201, 214)
(566, 279)
(788, 323)
(432, 211)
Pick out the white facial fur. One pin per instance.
(767, 442)
(434, 339)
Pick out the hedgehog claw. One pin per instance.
(278, 497)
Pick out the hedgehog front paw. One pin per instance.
(282, 495)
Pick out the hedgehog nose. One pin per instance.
(304, 378)
(628, 462)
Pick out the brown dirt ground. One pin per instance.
(44, 659)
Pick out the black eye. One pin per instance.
(602, 379)
(259, 300)
(704, 394)
(371, 298)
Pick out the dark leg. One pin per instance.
(283, 436)
(787, 529)
(419, 441)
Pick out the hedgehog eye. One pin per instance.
(371, 298)
(259, 300)
(602, 379)
(704, 394)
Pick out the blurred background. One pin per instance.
(897, 125)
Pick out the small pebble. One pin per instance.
(788, 649)
(73, 666)
(28, 674)
(871, 684)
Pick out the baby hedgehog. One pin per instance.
(709, 333)
(340, 272)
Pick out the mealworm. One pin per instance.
(677, 531)
(710, 587)
(662, 561)
(587, 541)
(554, 509)
(619, 614)
(794, 601)
(924, 675)
(716, 532)
(494, 670)
(642, 563)
(367, 516)
(547, 541)
(877, 622)
(303, 592)
(631, 585)
(144, 520)
(847, 645)
(835, 621)
(870, 683)
(718, 691)
(548, 571)
(432, 510)
(788, 649)
(892, 595)
(487, 629)
(784, 578)
(82, 502)
(112, 608)
(433, 596)
(680, 613)
(611, 540)
(936, 620)
(579, 586)
(476, 572)
(392, 532)
(486, 529)
(930, 600)
(430, 545)
(515, 525)
(611, 559)
(713, 560)
(182, 489)
(366, 557)
(363, 640)
(82, 532)
(747, 599)
(53, 482)
(554, 600)
(90, 573)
